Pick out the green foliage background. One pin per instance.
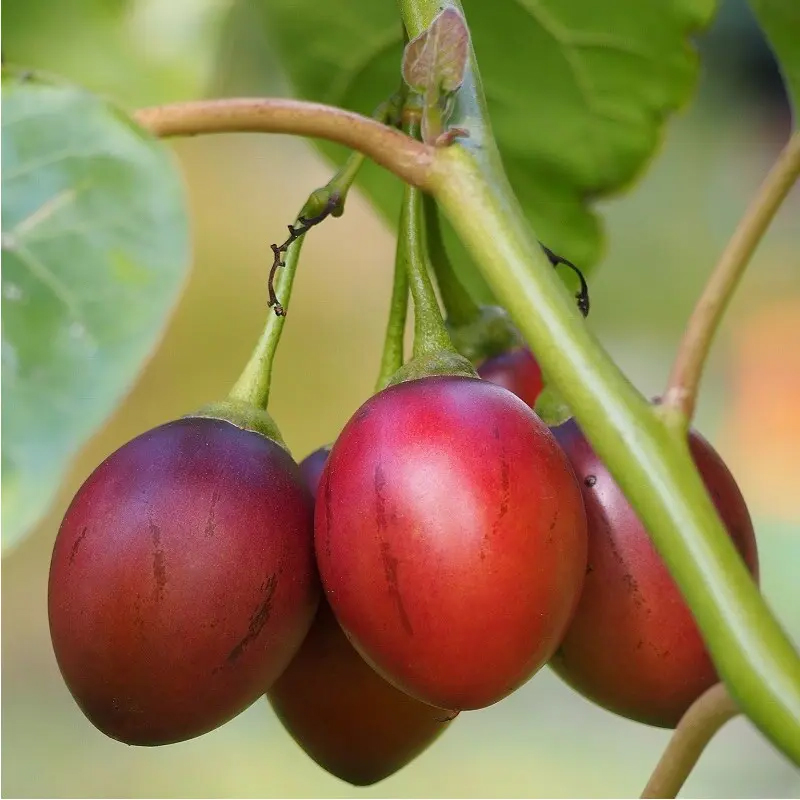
(577, 92)
(662, 239)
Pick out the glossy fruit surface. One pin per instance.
(344, 715)
(311, 468)
(182, 580)
(633, 646)
(516, 370)
(451, 539)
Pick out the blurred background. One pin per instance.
(663, 237)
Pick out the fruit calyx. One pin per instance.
(488, 333)
(429, 365)
(243, 415)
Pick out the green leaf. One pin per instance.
(95, 248)
(578, 92)
(780, 20)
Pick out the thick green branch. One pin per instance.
(681, 392)
(654, 468)
(407, 158)
(695, 730)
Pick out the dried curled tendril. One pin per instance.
(303, 225)
(583, 294)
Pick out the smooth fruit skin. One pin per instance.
(633, 646)
(344, 715)
(516, 370)
(338, 709)
(182, 580)
(451, 539)
(311, 468)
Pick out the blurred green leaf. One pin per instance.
(780, 20)
(578, 92)
(95, 249)
(139, 52)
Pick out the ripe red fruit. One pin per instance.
(344, 715)
(451, 539)
(182, 580)
(633, 646)
(338, 709)
(516, 370)
(311, 468)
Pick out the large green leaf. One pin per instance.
(780, 20)
(577, 91)
(95, 248)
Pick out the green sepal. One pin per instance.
(245, 416)
(439, 363)
(487, 334)
(551, 407)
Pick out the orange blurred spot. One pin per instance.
(761, 430)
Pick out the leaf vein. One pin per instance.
(54, 158)
(570, 43)
(46, 210)
(48, 278)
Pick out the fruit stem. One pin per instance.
(461, 309)
(653, 467)
(680, 395)
(253, 384)
(407, 158)
(695, 730)
(430, 333)
(392, 357)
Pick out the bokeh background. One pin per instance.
(663, 237)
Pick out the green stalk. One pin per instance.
(461, 309)
(341, 183)
(253, 384)
(430, 333)
(392, 357)
(652, 465)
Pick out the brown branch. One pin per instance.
(695, 730)
(408, 159)
(687, 370)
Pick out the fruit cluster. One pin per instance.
(445, 548)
